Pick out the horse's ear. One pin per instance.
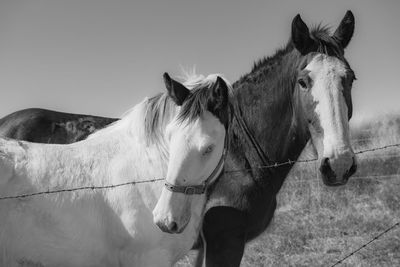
(177, 91)
(345, 30)
(301, 36)
(219, 96)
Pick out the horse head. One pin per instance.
(196, 149)
(323, 85)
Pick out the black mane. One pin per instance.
(321, 34)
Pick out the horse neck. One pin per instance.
(267, 103)
(131, 129)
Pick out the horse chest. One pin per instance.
(257, 203)
(260, 214)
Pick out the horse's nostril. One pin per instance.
(173, 227)
(328, 175)
(325, 166)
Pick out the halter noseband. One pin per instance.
(200, 189)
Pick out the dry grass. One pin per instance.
(315, 225)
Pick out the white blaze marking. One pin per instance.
(326, 73)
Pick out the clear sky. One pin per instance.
(102, 57)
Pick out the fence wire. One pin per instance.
(290, 162)
(366, 244)
(93, 187)
(48, 192)
(275, 165)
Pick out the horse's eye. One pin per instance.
(208, 150)
(302, 83)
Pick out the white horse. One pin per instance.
(179, 133)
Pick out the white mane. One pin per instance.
(190, 79)
(193, 80)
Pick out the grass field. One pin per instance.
(315, 225)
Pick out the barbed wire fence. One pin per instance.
(379, 234)
(376, 237)
(82, 188)
(275, 165)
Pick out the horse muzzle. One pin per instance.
(170, 226)
(336, 176)
(172, 212)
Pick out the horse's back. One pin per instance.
(48, 126)
(10, 123)
(28, 124)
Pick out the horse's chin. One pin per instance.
(333, 182)
(178, 231)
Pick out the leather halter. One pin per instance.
(202, 188)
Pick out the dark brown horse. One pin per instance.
(48, 126)
(301, 93)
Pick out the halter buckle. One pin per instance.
(190, 190)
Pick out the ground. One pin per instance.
(315, 225)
